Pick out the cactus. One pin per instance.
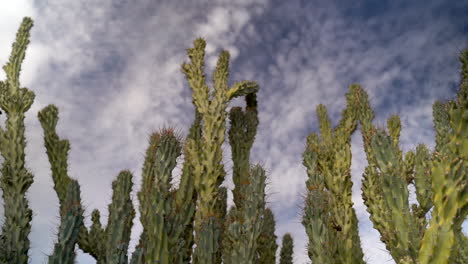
(244, 222)
(329, 217)
(15, 179)
(208, 170)
(244, 225)
(449, 182)
(266, 248)
(72, 214)
(121, 210)
(246, 234)
(286, 253)
(167, 217)
(241, 137)
(440, 180)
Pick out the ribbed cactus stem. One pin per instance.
(243, 227)
(287, 249)
(71, 221)
(156, 200)
(120, 221)
(108, 245)
(241, 137)
(15, 179)
(266, 247)
(328, 163)
(322, 246)
(207, 158)
(186, 198)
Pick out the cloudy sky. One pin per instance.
(112, 67)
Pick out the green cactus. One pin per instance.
(266, 247)
(322, 246)
(440, 179)
(241, 137)
(329, 217)
(243, 226)
(287, 247)
(206, 158)
(72, 214)
(169, 215)
(221, 208)
(121, 210)
(15, 179)
(449, 182)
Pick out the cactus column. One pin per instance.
(329, 217)
(15, 179)
(207, 161)
(286, 254)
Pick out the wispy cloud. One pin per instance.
(113, 69)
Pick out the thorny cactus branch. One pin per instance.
(15, 179)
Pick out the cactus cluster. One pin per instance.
(170, 217)
(175, 220)
(440, 179)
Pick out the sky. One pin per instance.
(112, 67)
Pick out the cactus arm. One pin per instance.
(266, 249)
(321, 248)
(441, 124)
(13, 66)
(57, 152)
(71, 221)
(422, 181)
(121, 214)
(156, 199)
(242, 88)
(221, 209)
(244, 226)
(404, 238)
(286, 254)
(241, 137)
(15, 179)
(186, 198)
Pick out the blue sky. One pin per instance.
(113, 69)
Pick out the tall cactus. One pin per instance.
(121, 211)
(208, 169)
(329, 217)
(248, 193)
(287, 247)
(15, 179)
(241, 138)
